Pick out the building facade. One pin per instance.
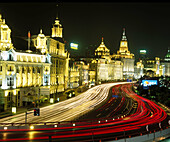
(126, 57)
(78, 74)
(102, 70)
(54, 45)
(154, 68)
(22, 74)
(138, 70)
(104, 67)
(166, 64)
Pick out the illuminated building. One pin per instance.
(105, 71)
(57, 30)
(154, 68)
(102, 51)
(126, 57)
(166, 63)
(23, 74)
(73, 76)
(138, 70)
(104, 67)
(59, 58)
(78, 74)
(83, 72)
(167, 56)
(5, 33)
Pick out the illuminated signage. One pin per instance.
(143, 51)
(149, 82)
(115, 96)
(74, 46)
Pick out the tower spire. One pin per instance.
(124, 35)
(57, 27)
(0, 17)
(123, 31)
(102, 39)
(57, 12)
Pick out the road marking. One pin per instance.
(106, 108)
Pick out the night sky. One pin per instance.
(147, 24)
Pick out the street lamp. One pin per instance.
(51, 100)
(38, 93)
(14, 110)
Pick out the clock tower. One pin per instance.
(123, 50)
(126, 57)
(57, 29)
(123, 43)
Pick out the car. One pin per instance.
(70, 93)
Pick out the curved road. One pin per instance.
(67, 110)
(146, 118)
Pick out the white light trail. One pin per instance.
(69, 109)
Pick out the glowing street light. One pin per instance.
(31, 127)
(55, 125)
(14, 110)
(5, 128)
(51, 100)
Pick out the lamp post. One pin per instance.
(39, 95)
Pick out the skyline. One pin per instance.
(146, 24)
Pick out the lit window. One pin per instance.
(5, 35)
(10, 81)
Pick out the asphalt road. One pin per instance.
(66, 110)
(123, 115)
(117, 105)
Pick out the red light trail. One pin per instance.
(147, 114)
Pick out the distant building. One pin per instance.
(102, 51)
(103, 67)
(105, 71)
(138, 70)
(166, 63)
(126, 57)
(73, 75)
(153, 68)
(78, 74)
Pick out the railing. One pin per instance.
(89, 122)
(126, 136)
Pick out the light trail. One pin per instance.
(67, 110)
(147, 114)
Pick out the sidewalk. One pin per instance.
(19, 110)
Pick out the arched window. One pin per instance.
(23, 70)
(38, 70)
(10, 57)
(10, 81)
(46, 60)
(33, 70)
(58, 46)
(46, 79)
